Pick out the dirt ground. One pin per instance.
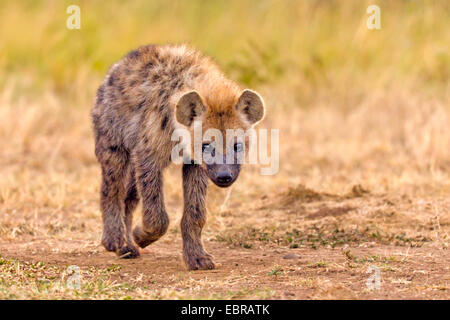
(264, 272)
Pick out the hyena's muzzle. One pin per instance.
(223, 175)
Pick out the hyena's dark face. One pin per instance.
(227, 119)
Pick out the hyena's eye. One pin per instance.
(207, 148)
(238, 147)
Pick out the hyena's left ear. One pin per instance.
(251, 105)
(189, 107)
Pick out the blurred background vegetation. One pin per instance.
(305, 49)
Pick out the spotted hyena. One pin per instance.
(146, 96)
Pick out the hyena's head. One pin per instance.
(224, 116)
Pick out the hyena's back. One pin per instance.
(137, 92)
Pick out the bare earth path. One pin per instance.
(264, 272)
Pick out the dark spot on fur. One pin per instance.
(175, 84)
(134, 54)
(111, 79)
(156, 54)
(113, 148)
(164, 122)
(100, 94)
(141, 104)
(165, 97)
(143, 74)
(173, 73)
(132, 83)
(96, 120)
(177, 60)
(198, 212)
(131, 194)
(104, 191)
(111, 94)
(155, 77)
(109, 173)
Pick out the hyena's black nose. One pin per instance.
(223, 177)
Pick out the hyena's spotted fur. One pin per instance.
(134, 117)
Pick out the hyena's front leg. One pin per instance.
(195, 183)
(155, 220)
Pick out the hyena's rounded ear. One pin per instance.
(189, 107)
(251, 105)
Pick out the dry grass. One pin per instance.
(364, 154)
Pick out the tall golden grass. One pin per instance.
(304, 45)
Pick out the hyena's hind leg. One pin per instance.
(115, 171)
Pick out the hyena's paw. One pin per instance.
(112, 241)
(144, 238)
(129, 251)
(197, 261)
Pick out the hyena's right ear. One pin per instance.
(189, 107)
